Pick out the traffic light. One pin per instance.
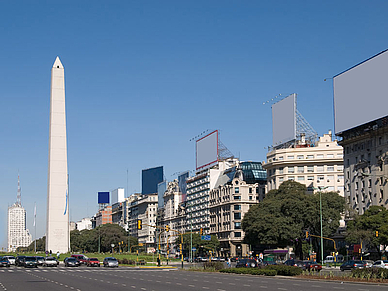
(167, 228)
(307, 234)
(139, 224)
(201, 231)
(180, 248)
(377, 233)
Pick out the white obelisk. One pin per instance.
(57, 232)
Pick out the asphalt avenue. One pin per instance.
(123, 278)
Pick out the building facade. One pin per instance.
(318, 166)
(366, 165)
(18, 235)
(237, 189)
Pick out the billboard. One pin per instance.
(150, 178)
(103, 197)
(117, 195)
(162, 187)
(361, 93)
(207, 150)
(284, 120)
(183, 185)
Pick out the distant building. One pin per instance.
(84, 223)
(117, 195)
(150, 178)
(18, 235)
(104, 216)
(319, 166)
(236, 190)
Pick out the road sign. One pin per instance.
(194, 249)
(206, 237)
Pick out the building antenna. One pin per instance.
(19, 195)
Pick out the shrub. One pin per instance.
(284, 270)
(249, 271)
(367, 273)
(213, 265)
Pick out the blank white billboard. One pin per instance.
(361, 93)
(207, 150)
(284, 120)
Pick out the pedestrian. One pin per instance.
(158, 261)
(58, 255)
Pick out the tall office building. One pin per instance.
(58, 232)
(18, 235)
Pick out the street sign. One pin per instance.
(206, 237)
(194, 249)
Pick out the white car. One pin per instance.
(380, 264)
(11, 259)
(50, 262)
(110, 262)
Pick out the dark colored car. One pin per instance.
(71, 262)
(312, 266)
(246, 263)
(352, 264)
(30, 262)
(295, 263)
(4, 262)
(93, 262)
(19, 261)
(81, 258)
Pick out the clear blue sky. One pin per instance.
(144, 77)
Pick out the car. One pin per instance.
(110, 262)
(295, 263)
(71, 262)
(92, 262)
(246, 263)
(11, 259)
(39, 260)
(19, 261)
(30, 262)
(380, 264)
(312, 266)
(82, 259)
(369, 263)
(352, 264)
(50, 262)
(4, 262)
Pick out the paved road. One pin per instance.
(102, 279)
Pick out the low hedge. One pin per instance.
(284, 270)
(126, 261)
(370, 273)
(250, 271)
(213, 266)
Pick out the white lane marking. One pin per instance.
(191, 286)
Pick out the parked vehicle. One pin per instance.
(71, 262)
(312, 266)
(40, 260)
(11, 259)
(380, 264)
(333, 259)
(110, 262)
(30, 262)
(352, 264)
(82, 259)
(50, 262)
(4, 262)
(91, 262)
(369, 263)
(295, 263)
(19, 261)
(246, 263)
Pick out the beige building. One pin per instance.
(318, 166)
(236, 190)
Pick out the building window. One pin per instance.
(330, 177)
(237, 225)
(300, 157)
(237, 207)
(340, 155)
(280, 158)
(340, 168)
(291, 170)
(236, 190)
(310, 157)
(300, 169)
(340, 177)
(237, 234)
(319, 168)
(310, 178)
(321, 178)
(330, 156)
(281, 170)
(310, 169)
(237, 197)
(330, 168)
(237, 215)
(300, 178)
(280, 179)
(320, 156)
(250, 197)
(330, 188)
(291, 178)
(290, 157)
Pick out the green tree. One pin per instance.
(363, 228)
(40, 245)
(284, 216)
